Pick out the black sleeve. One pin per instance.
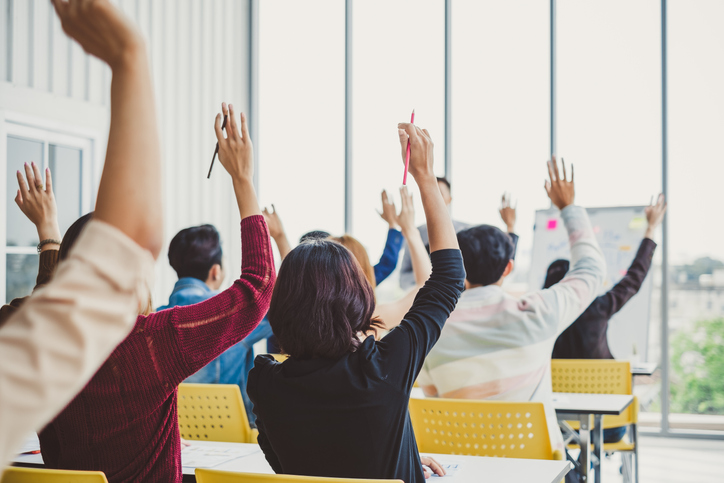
(252, 385)
(614, 300)
(404, 349)
(266, 447)
(514, 239)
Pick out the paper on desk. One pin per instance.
(450, 469)
(561, 398)
(210, 456)
(31, 444)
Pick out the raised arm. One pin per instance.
(566, 300)
(406, 346)
(129, 196)
(55, 342)
(38, 204)
(614, 300)
(205, 330)
(276, 230)
(508, 213)
(392, 313)
(393, 243)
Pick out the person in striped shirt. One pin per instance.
(496, 346)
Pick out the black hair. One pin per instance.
(314, 235)
(194, 251)
(556, 271)
(321, 301)
(486, 252)
(443, 180)
(72, 234)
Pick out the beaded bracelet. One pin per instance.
(49, 241)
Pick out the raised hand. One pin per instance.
(100, 28)
(276, 229)
(421, 150)
(655, 214)
(507, 212)
(235, 150)
(389, 212)
(406, 217)
(561, 191)
(38, 203)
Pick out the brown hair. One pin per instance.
(321, 301)
(359, 252)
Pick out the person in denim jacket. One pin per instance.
(196, 256)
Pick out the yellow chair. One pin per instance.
(38, 475)
(213, 412)
(482, 428)
(601, 376)
(280, 357)
(217, 476)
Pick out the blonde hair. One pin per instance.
(359, 252)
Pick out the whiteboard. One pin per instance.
(619, 232)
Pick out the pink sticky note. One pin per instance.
(552, 224)
(623, 272)
(596, 229)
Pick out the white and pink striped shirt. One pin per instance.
(495, 346)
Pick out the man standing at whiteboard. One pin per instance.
(496, 346)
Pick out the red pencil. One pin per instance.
(407, 156)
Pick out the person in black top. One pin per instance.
(586, 337)
(338, 407)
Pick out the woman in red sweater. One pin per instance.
(125, 421)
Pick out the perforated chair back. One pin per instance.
(481, 428)
(217, 476)
(39, 475)
(280, 357)
(596, 376)
(213, 412)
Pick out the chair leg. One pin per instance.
(635, 438)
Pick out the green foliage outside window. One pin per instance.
(698, 369)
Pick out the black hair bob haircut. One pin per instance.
(72, 234)
(321, 301)
(193, 251)
(314, 235)
(556, 271)
(486, 251)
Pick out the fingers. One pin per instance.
(411, 130)
(385, 199)
(232, 129)
(30, 177)
(572, 173)
(19, 200)
(217, 128)
(274, 209)
(245, 128)
(435, 466)
(37, 175)
(552, 177)
(563, 163)
(48, 181)
(21, 183)
(554, 167)
(547, 187)
(404, 139)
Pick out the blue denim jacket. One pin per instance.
(233, 366)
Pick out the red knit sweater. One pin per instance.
(125, 421)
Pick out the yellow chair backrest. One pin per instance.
(481, 428)
(37, 475)
(280, 357)
(213, 412)
(217, 476)
(596, 376)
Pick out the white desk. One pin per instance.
(473, 469)
(582, 408)
(643, 368)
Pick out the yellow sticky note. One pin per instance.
(625, 248)
(636, 223)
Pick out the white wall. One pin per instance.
(200, 57)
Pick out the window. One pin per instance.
(68, 159)
(696, 252)
(500, 61)
(398, 65)
(301, 100)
